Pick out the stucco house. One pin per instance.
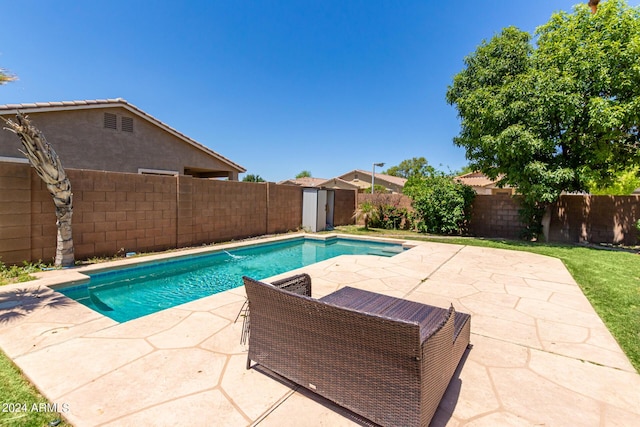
(357, 180)
(333, 183)
(362, 179)
(482, 184)
(114, 135)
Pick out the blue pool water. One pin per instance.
(134, 292)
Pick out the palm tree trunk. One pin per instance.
(48, 166)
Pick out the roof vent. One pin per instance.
(127, 124)
(110, 121)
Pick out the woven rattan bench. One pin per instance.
(387, 359)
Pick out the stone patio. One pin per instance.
(540, 356)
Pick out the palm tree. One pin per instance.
(5, 78)
(48, 166)
(367, 212)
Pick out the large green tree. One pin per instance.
(415, 166)
(558, 115)
(252, 178)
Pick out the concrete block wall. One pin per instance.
(595, 219)
(495, 216)
(226, 210)
(15, 213)
(116, 213)
(284, 209)
(573, 218)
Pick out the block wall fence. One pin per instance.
(572, 219)
(122, 212)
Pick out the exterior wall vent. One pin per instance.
(110, 121)
(127, 124)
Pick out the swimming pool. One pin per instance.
(133, 292)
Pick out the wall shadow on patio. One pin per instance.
(16, 304)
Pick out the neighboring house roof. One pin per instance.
(338, 183)
(304, 182)
(41, 107)
(396, 180)
(320, 182)
(476, 179)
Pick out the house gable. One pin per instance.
(114, 135)
(482, 184)
(362, 179)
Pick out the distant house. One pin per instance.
(307, 181)
(113, 135)
(362, 179)
(482, 184)
(355, 180)
(333, 183)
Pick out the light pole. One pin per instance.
(373, 174)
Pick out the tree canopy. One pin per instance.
(304, 174)
(416, 166)
(626, 183)
(252, 178)
(556, 116)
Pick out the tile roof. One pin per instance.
(381, 176)
(304, 182)
(476, 179)
(41, 107)
(335, 181)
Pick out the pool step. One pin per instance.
(386, 252)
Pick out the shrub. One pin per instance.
(367, 212)
(390, 215)
(14, 273)
(441, 205)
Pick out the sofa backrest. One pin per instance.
(277, 309)
(372, 365)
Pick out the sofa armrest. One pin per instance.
(299, 284)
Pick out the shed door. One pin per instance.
(322, 210)
(310, 209)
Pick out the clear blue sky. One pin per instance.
(276, 86)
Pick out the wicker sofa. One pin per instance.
(387, 359)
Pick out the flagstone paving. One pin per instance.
(540, 355)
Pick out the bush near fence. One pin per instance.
(573, 218)
(122, 212)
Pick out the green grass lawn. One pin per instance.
(610, 279)
(20, 403)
